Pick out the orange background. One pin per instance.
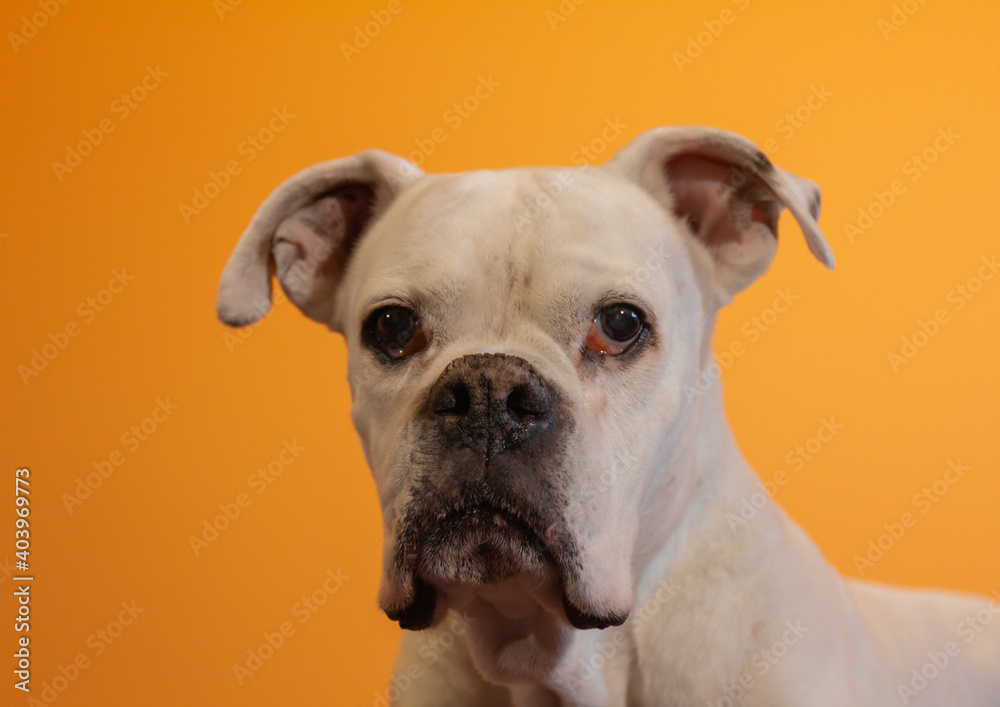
(238, 403)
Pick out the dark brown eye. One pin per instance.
(395, 331)
(614, 329)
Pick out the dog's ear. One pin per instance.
(728, 193)
(305, 232)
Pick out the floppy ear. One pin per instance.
(305, 231)
(728, 193)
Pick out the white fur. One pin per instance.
(656, 470)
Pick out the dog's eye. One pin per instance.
(614, 329)
(396, 331)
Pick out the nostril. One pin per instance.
(452, 400)
(528, 400)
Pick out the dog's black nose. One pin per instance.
(492, 402)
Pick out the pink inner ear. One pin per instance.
(718, 200)
(312, 246)
(758, 214)
(702, 197)
(324, 232)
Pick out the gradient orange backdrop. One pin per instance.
(846, 95)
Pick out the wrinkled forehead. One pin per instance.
(507, 227)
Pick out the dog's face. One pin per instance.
(521, 348)
(503, 371)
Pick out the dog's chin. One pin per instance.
(481, 545)
(482, 548)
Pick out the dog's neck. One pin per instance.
(700, 473)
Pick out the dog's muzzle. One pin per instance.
(488, 499)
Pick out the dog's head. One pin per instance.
(519, 342)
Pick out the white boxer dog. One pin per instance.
(526, 359)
